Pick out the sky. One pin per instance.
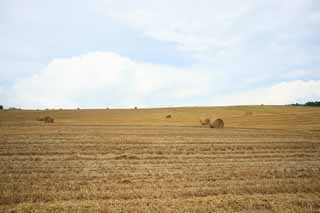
(152, 53)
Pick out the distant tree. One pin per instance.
(312, 103)
(309, 103)
(296, 104)
(1, 107)
(13, 108)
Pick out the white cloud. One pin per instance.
(106, 79)
(278, 94)
(252, 41)
(209, 29)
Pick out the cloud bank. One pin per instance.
(105, 79)
(278, 94)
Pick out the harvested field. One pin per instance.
(140, 161)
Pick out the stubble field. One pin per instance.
(266, 159)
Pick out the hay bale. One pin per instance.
(218, 123)
(205, 121)
(168, 116)
(48, 119)
(249, 113)
(40, 119)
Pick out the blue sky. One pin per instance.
(107, 53)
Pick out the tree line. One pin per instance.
(309, 103)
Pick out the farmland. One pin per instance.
(266, 159)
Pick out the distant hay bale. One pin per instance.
(249, 113)
(78, 108)
(168, 116)
(135, 107)
(48, 119)
(205, 121)
(40, 119)
(218, 123)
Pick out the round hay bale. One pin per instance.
(249, 113)
(48, 119)
(205, 121)
(40, 119)
(218, 123)
(168, 116)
